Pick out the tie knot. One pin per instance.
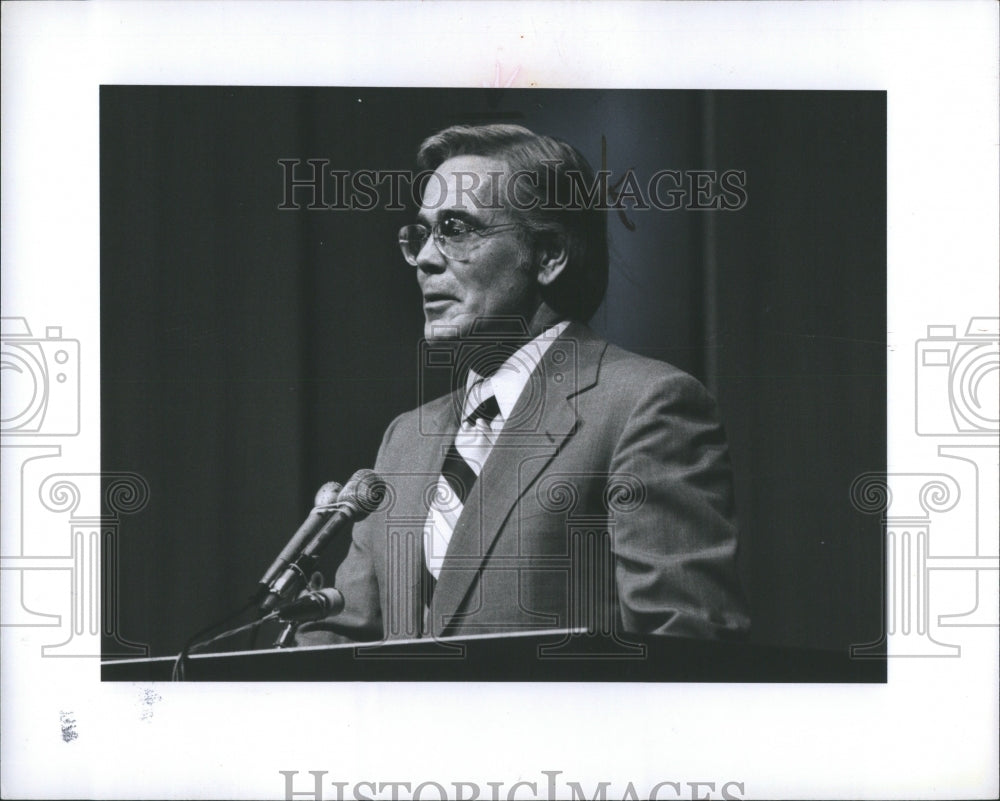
(486, 410)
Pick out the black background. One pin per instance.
(249, 354)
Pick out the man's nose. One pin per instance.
(429, 259)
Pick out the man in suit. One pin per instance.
(564, 482)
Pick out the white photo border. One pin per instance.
(931, 732)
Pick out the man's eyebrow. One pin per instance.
(462, 214)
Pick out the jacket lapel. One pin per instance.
(543, 418)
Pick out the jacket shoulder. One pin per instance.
(433, 413)
(640, 375)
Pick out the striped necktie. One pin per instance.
(461, 468)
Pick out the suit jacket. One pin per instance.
(605, 503)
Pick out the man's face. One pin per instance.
(494, 276)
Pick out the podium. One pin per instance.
(535, 656)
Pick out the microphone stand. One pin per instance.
(363, 493)
(284, 640)
(287, 636)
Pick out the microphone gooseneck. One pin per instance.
(335, 509)
(363, 493)
(324, 505)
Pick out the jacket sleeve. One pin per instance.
(675, 546)
(361, 618)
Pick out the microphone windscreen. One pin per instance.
(327, 494)
(363, 493)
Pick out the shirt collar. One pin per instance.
(509, 380)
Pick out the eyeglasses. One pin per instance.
(454, 238)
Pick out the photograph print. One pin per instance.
(494, 384)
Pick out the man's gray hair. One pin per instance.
(556, 167)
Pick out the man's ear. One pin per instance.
(551, 256)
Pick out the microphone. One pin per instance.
(326, 497)
(362, 495)
(314, 605)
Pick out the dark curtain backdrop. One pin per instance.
(249, 354)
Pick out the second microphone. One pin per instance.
(361, 496)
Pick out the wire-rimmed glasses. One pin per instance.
(454, 238)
